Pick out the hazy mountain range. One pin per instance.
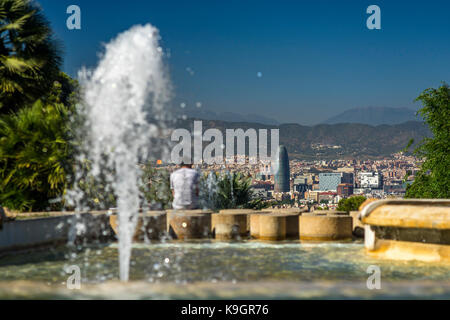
(374, 116)
(365, 115)
(333, 141)
(202, 113)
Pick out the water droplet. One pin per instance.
(190, 71)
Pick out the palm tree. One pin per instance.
(34, 156)
(234, 191)
(29, 56)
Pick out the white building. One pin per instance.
(370, 180)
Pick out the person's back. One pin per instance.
(184, 183)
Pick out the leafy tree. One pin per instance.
(351, 203)
(29, 56)
(90, 192)
(433, 179)
(98, 194)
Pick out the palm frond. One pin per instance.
(30, 57)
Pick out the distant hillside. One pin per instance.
(201, 113)
(333, 141)
(374, 116)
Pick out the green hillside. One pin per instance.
(332, 141)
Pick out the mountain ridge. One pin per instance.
(374, 116)
(332, 141)
(206, 114)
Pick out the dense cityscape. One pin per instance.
(323, 183)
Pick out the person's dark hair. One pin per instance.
(185, 164)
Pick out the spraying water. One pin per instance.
(208, 190)
(124, 99)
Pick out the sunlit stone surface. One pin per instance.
(272, 227)
(226, 226)
(189, 224)
(408, 229)
(325, 227)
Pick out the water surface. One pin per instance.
(209, 269)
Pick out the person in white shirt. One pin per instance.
(184, 183)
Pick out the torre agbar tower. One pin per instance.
(282, 175)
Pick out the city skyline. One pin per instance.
(301, 62)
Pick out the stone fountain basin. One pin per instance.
(150, 225)
(408, 229)
(50, 229)
(394, 229)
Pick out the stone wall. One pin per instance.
(54, 230)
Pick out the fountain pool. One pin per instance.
(210, 270)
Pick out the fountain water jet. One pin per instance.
(123, 105)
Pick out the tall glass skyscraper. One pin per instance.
(282, 172)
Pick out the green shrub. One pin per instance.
(351, 203)
(156, 187)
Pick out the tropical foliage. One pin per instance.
(98, 194)
(36, 103)
(156, 187)
(35, 153)
(234, 191)
(433, 179)
(95, 192)
(29, 56)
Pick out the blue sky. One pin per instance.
(317, 58)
